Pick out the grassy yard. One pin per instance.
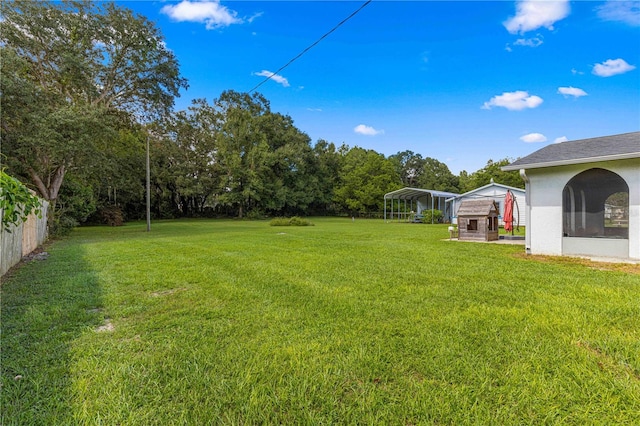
(237, 322)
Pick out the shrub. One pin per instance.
(62, 225)
(294, 221)
(255, 214)
(298, 221)
(437, 216)
(112, 216)
(16, 202)
(279, 221)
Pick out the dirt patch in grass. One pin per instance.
(629, 268)
(608, 363)
(167, 292)
(107, 326)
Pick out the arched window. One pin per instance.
(595, 204)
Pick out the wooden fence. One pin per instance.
(22, 239)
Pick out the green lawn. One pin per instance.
(344, 322)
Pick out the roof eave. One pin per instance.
(626, 156)
(485, 187)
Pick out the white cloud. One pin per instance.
(367, 130)
(314, 109)
(533, 138)
(529, 42)
(576, 72)
(514, 101)
(623, 11)
(532, 14)
(275, 77)
(211, 13)
(571, 91)
(612, 67)
(254, 17)
(560, 139)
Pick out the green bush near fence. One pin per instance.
(16, 202)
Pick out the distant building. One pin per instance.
(409, 201)
(496, 192)
(583, 197)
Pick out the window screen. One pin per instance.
(595, 204)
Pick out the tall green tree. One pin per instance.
(264, 163)
(193, 133)
(492, 170)
(365, 176)
(73, 72)
(291, 183)
(242, 149)
(326, 172)
(437, 176)
(410, 167)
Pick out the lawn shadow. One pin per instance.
(45, 305)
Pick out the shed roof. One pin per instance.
(615, 147)
(480, 207)
(489, 185)
(414, 193)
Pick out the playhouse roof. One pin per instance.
(615, 147)
(477, 207)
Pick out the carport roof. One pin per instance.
(414, 193)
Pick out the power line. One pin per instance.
(312, 45)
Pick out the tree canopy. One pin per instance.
(74, 73)
(493, 170)
(84, 86)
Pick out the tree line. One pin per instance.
(86, 85)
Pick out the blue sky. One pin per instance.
(461, 82)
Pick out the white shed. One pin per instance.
(583, 197)
(496, 192)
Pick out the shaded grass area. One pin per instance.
(231, 322)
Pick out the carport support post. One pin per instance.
(432, 209)
(385, 209)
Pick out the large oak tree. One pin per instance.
(73, 73)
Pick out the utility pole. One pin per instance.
(148, 189)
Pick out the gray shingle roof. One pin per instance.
(615, 147)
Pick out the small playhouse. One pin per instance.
(478, 220)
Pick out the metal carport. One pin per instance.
(424, 199)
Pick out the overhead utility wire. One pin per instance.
(310, 47)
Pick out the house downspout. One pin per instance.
(527, 211)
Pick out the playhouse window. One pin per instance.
(595, 204)
(472, 225)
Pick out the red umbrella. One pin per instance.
(507, 218)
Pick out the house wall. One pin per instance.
(544, 202)
(497, 194)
